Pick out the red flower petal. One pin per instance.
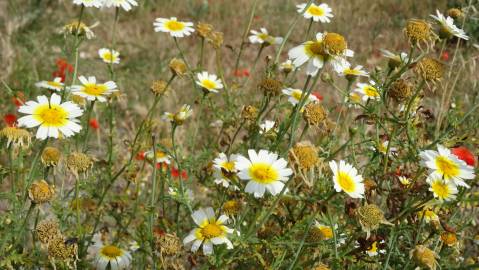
(94, 123)
(10, 119)
(464, 154)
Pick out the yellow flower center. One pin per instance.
(228, 165)
(371, 91)
(54, 84)
(111, 252)
(447, 167)
(346, 182)
(208, 84)
(355, 98)
(440, 189)
(160, 154)
(314, 48)
(373, 248)
(95, 89)
(334, 44)
(175, 26)
(326, 232)
(51, 116)
(263, 173)
(315, 10)
(211, 230)
(109, 57)
(296, 94)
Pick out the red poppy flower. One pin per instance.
(162, 166)
(94, 123)
(246, 72)
(317, 95)
(140, 155)
(464, 154)
(10, 119)
(176, 173)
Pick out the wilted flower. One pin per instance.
(449, 238)
(304, 155)
(178, 67)
(314, 114)
(418, 31)
(430, 69)
(79, 163)
(232, 207)
(400, 90)
(216, 39)
(78, 29)
(159, 87)
(249, 113)
(50, 156)
(17, 137)
(424, 257)
(63, 250)
(168, 244)
(204, 29)
(270, 87)
(47, 230)
(370, 217)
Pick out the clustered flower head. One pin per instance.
(78, 162)
(50, 156)
(418, 32)
(370, 216)
(17, 137)
(430, 69)
(41, 192)
(270, 86)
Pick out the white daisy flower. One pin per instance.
(209, 82)
(159, 157)
(405, 181)
(442, 190)
(312, 52)
(325, 230)
(447, 166)
(447, 26)
(111, 257)
(210, 231)
(55, 85)
(368, 91)
(180, 116)
(224, 170)
(354, 99)
(343, 68)
(374, 249)
(125, 4)
(89, 3)
(264, 171)
(428, 215)
(51, 116)
(266, 126)
(174, 27)
(109, 56)
(262, 36)
(321, 12)
(294, 96)
(347, 179)
(91, 90)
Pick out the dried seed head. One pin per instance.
(78, 100)
(305, 155)
(334, 44)
(50, 156)
(18, 137)
(62, 249)
(159, 87)
(78, 29)
(449, 238)
(232, 207)
(320, 266)
(168, 244)
(215, 38)
(41, 192)
(314, 114)
(47, 230)
(370, 217)
(424, 257)
(249, 113)
(270, 87)
(79, 163)
(178, 67)
(454, 13)
(430, 69)
(204, 29)
(400, 90)
(418, 31)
